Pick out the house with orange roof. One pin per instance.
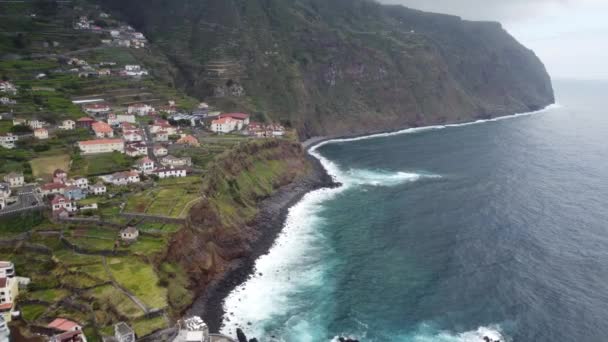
(9, 290)
(101, 146)
(102, 130)
(189, 140)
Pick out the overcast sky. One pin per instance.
(570, 36)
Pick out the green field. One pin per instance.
(100, 164)
(140, 279)
(172, 198)
(44, 166)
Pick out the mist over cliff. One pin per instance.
(337, 67)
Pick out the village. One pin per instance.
(101, 163)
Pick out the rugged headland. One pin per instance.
(341, 67)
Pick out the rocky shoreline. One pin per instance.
(269, 222)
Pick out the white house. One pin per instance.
(7, 269)
(114, 33)
(14, 179)
(97, 189)
(134, 70)
(161, 136)
(133, 135)
(41, 133)
(96, 108)
(140, 109)
(224, 125)
(67, 125)
(160, 151)
(7, 101)
(36, 124)
(52, 189)
(162, 126)
(117, 119)
(171, 161)
(7, 87)
(80, 182)
(170, 173)
(9, 290)
(145, 165)
(8, 140)
(59, 202)
(122, 178)
(237, 116)
(101, 146)
(129, 234)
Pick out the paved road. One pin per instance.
(28, 199)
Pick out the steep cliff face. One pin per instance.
(333, 67)
(220, 228)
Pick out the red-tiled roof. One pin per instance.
(63, 324)
(6, 306)
(101, 127)
(52, 186)
(100, 141)
(86, 119)
(222, 121)
(58, 199)
(238, 116)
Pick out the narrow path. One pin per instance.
(131, 296)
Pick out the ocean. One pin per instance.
(448, 233)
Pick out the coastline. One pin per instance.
(269, 222)
(274, 210)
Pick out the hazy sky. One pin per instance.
(570, 36)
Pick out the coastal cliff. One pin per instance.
(237, 220)
(340, 67)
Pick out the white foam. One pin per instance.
(295, 261)
(436, 127)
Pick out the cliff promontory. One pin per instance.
(337, 67)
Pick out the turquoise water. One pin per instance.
(492, 229)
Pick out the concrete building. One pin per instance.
(101, 146)
(7, 269)
(124, 333)
(15, 179)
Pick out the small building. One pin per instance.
(19, 122)
(41, 133)
(69, 336)
(36, 124)
(97, 108)
(159, 151)
(161, 136)
(224, 125)
(171, 161)
(140, 109)
(137, 149)
(52, 189)
(7, 269)
(9, 290)
(133, 135)
(122, 178)
(124, 333)
(193, 329)
(8, 140)
(60, 202)
(80, 182)
(189, 140)
(145, 165)
(170, 172)
(104, 72)
(75, 193)
(101, 146)
(102, 130)
(5, 190)
(60, 176)
(67, 125)
(117, 119)
(64, 325)
(15, 179)
(85, 122)
(160, 125)
(129, 234)
(98, 189)
(7, 87)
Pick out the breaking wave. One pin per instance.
(299, 261)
